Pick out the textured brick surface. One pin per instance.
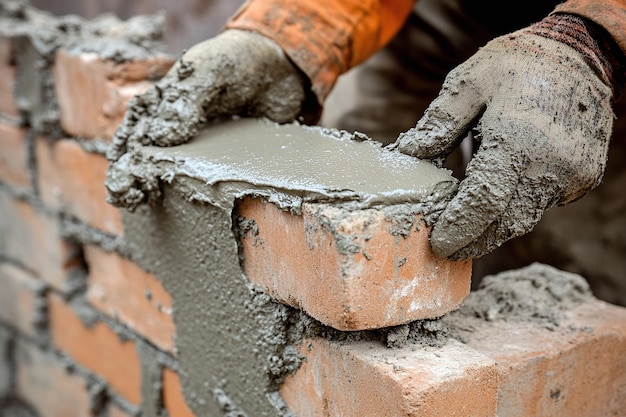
(14, 169)
(368, 379)
(133, 296)
(21, 299)
(72, 180)
(93, 93)
(348, 269)
(33, 239)
(47, 386)
(577, 369)
(173, 399)
(7, 79)
(97, 348)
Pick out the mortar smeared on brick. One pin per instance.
(288, 164)
(235, 345)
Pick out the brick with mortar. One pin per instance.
(382, 278)
(22, 303)
(44, 383)
(575, 369)
(96, 348)
(8, 105)
(367, 379)
(14, 169)
(123, 290)
(72, 180)
(173, 399)
(33, 239)
(93, 92)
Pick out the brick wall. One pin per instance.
(87, 331)
(76, 315)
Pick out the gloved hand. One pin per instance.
(540, 102)
(236, 73)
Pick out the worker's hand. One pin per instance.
(543, 118)
(236, 73)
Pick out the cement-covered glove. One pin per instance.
(235, 73)
(540, 102)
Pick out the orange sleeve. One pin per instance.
(610, 14)
(324, 38)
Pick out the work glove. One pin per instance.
(235, 73)
(539, 103)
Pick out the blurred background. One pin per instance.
(188, 21)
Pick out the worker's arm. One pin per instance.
(539, 102)
(325, 38)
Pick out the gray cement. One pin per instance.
(6, 362)
(287, 164)
(228, 335)
(537, 293)
(151, 381)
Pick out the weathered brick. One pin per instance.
(21, 300)
(348, 269)
(576, 369)
(33, 239)
(173, 399)
(123, 290)
(93, 93)
(72, 179)
(14, 156)
(47, 386)
(97, 348)
(8, 105)
(367, 379)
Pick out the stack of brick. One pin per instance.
(85, 331)
(82, 327)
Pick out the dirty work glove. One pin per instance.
(235, 73)
(540, 102)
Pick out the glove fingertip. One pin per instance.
(441, 243)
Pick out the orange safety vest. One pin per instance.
(325, 38)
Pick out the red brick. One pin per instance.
(93, 93)
(33, 239)
(173, 399)
(367, 379)
(121, 289)
(72, 180)
(97, 348)
(8, 105)
(20, 299)
(577, 369)
(47, 386)
(14, 156)
(390, 279)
